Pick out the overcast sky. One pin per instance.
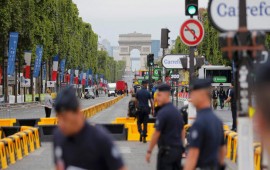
(109, 18)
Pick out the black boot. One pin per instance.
(141, 138)
(144, 140)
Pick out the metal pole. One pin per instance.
(5, 81)
(15, 85)
(163, 68)
(32, 84)
(191, 64)
(245, 132)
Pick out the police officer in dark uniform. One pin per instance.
(79, 145)
(143, 97)
(168, 134)
(232, 98)
(206, 141)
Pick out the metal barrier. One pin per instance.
(27, 122)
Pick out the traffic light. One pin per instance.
(165, 37)
(150, 60)
(191, 7)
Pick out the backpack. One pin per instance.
(132, 109)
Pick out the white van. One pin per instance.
(111, 89)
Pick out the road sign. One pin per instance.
(219, 79)
(51, 83)
(191, 32)
(173, 61)
(25, 82)
(175, 76)
(224, 14)
(11, 80)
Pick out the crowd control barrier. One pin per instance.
(117, 131)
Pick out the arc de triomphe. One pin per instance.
(129, 42)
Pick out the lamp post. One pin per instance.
(16, 83)
(24, 90)
(5, 80)
(32, 82)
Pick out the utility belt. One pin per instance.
(165, 148)
(212, 168)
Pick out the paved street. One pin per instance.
(37, 111)
(133, 152)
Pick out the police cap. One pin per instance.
(198, 84)
(164, 88)
(66, 100)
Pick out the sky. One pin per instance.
(109, 18)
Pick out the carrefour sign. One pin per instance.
(224, 14)
(173, 61)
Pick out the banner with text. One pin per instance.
(38, 61)
(13, 42)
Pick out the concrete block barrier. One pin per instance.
(27, 122)
(117, 131)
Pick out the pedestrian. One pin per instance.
(232, 100)
(142, 99)
(79, 145)
(169, 134)
(222, 97)
(184, 112)
(206, 141)
(48, 103)
(262, 115)
(132, 110)
(215, 95)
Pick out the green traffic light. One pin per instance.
(192, 10)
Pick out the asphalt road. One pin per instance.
(37, 111)
(133, 152)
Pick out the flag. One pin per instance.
(44, 71)
(27, 68)
(55, 67)
(76, 79)
(84, 78)
(13, 42)
(71, 76)
(38, 61)
(62, 67)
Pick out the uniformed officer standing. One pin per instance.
(168, 134)
(79, 145)
(206, 143)
(262, 115)
(143, 97)
(232, 99)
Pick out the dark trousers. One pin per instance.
(143, 116)
(48, 111)
(169, 159)
(234, 117)
(221, 100)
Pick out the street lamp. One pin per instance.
(5, 80)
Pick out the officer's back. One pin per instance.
(206, 141)
(79, 145)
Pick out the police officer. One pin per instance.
(143, 97)
(168, 134)
(206, 142)
(79, 145)
(262, 116)
(232, 99)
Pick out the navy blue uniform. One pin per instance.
(233, 109)
(90, 149)
(207, 135)
(170, 125)
(143, 96)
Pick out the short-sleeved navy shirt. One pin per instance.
(143, 96)
(207, 135)
(90, 149)
(170, 124)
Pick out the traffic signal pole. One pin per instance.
(191, 64)
(163, 68)
(245, 132)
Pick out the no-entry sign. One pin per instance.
(191, 32)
